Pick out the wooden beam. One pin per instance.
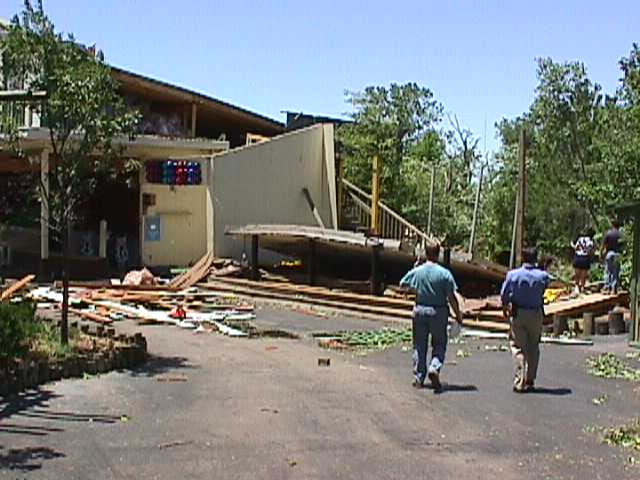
(476, 208)
(255, 268)
(339, 189)
(94, 317)
(375, 270)
(311, 265)
(194, 116)
(312, 206)
(22, 95)
(522, 197)
(16, 287)
(375, 194)
(432, 188)
(635, 279)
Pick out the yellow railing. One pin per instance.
(357, 202)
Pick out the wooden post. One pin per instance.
(375, 270)
(559, 325)
(194, 115)
(339, 186)
(472, 238)
(255, 268)
(311, 265)
(431, 195)
(522, 196)
(635, 280)
(44, 205)
(616, 321)
(512, 257)
(587, 324)
(375, 195)
(446, 257)
(102, 249)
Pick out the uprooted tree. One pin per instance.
(83, 112)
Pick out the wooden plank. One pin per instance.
(156, 289)
(94, 317)
(16, 287)
(319, 291)
(397, 313)
(194, 274)
(594, 301)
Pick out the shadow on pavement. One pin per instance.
(27, 459)
(24, 401)
(550, 391)
(33, 430)
(158, 365)
(69, 416)
(458, 388)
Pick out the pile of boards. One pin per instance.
(565, 305)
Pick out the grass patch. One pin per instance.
(608, 365)
(366, 340)
(625, 436)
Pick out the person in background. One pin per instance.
(584, 249)
(611, 248)
(522, 298)
(435, 290)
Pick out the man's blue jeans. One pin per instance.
(612, 273)
(429, 321)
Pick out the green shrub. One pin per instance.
(17, 328)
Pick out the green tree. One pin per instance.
(399, 124)
(83, 113)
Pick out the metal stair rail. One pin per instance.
(356, 204)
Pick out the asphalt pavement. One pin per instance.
(209, 406)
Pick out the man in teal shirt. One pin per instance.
(435, 289)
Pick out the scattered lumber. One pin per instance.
(316, 292)
(109, 286)
(16, 287)
(402, 311)
(94, 317)
(588, 303)
(196, 273)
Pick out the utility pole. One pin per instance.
(519, 233)
(472, 238)
(431, 194)
(375, 195)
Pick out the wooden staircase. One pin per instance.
(356, 215)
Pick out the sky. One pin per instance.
(478, 57)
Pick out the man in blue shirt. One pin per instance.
(435, 290)
(523, 302)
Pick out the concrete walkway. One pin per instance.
(263, 408)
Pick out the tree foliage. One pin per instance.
(83, 112)
(583, 157)
(402, 124)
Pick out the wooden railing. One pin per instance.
(357, 206)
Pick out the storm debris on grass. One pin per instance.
(625, 436)
(364, 340)
(608, 365)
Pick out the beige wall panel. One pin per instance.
(263, 183)
(183, 230)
